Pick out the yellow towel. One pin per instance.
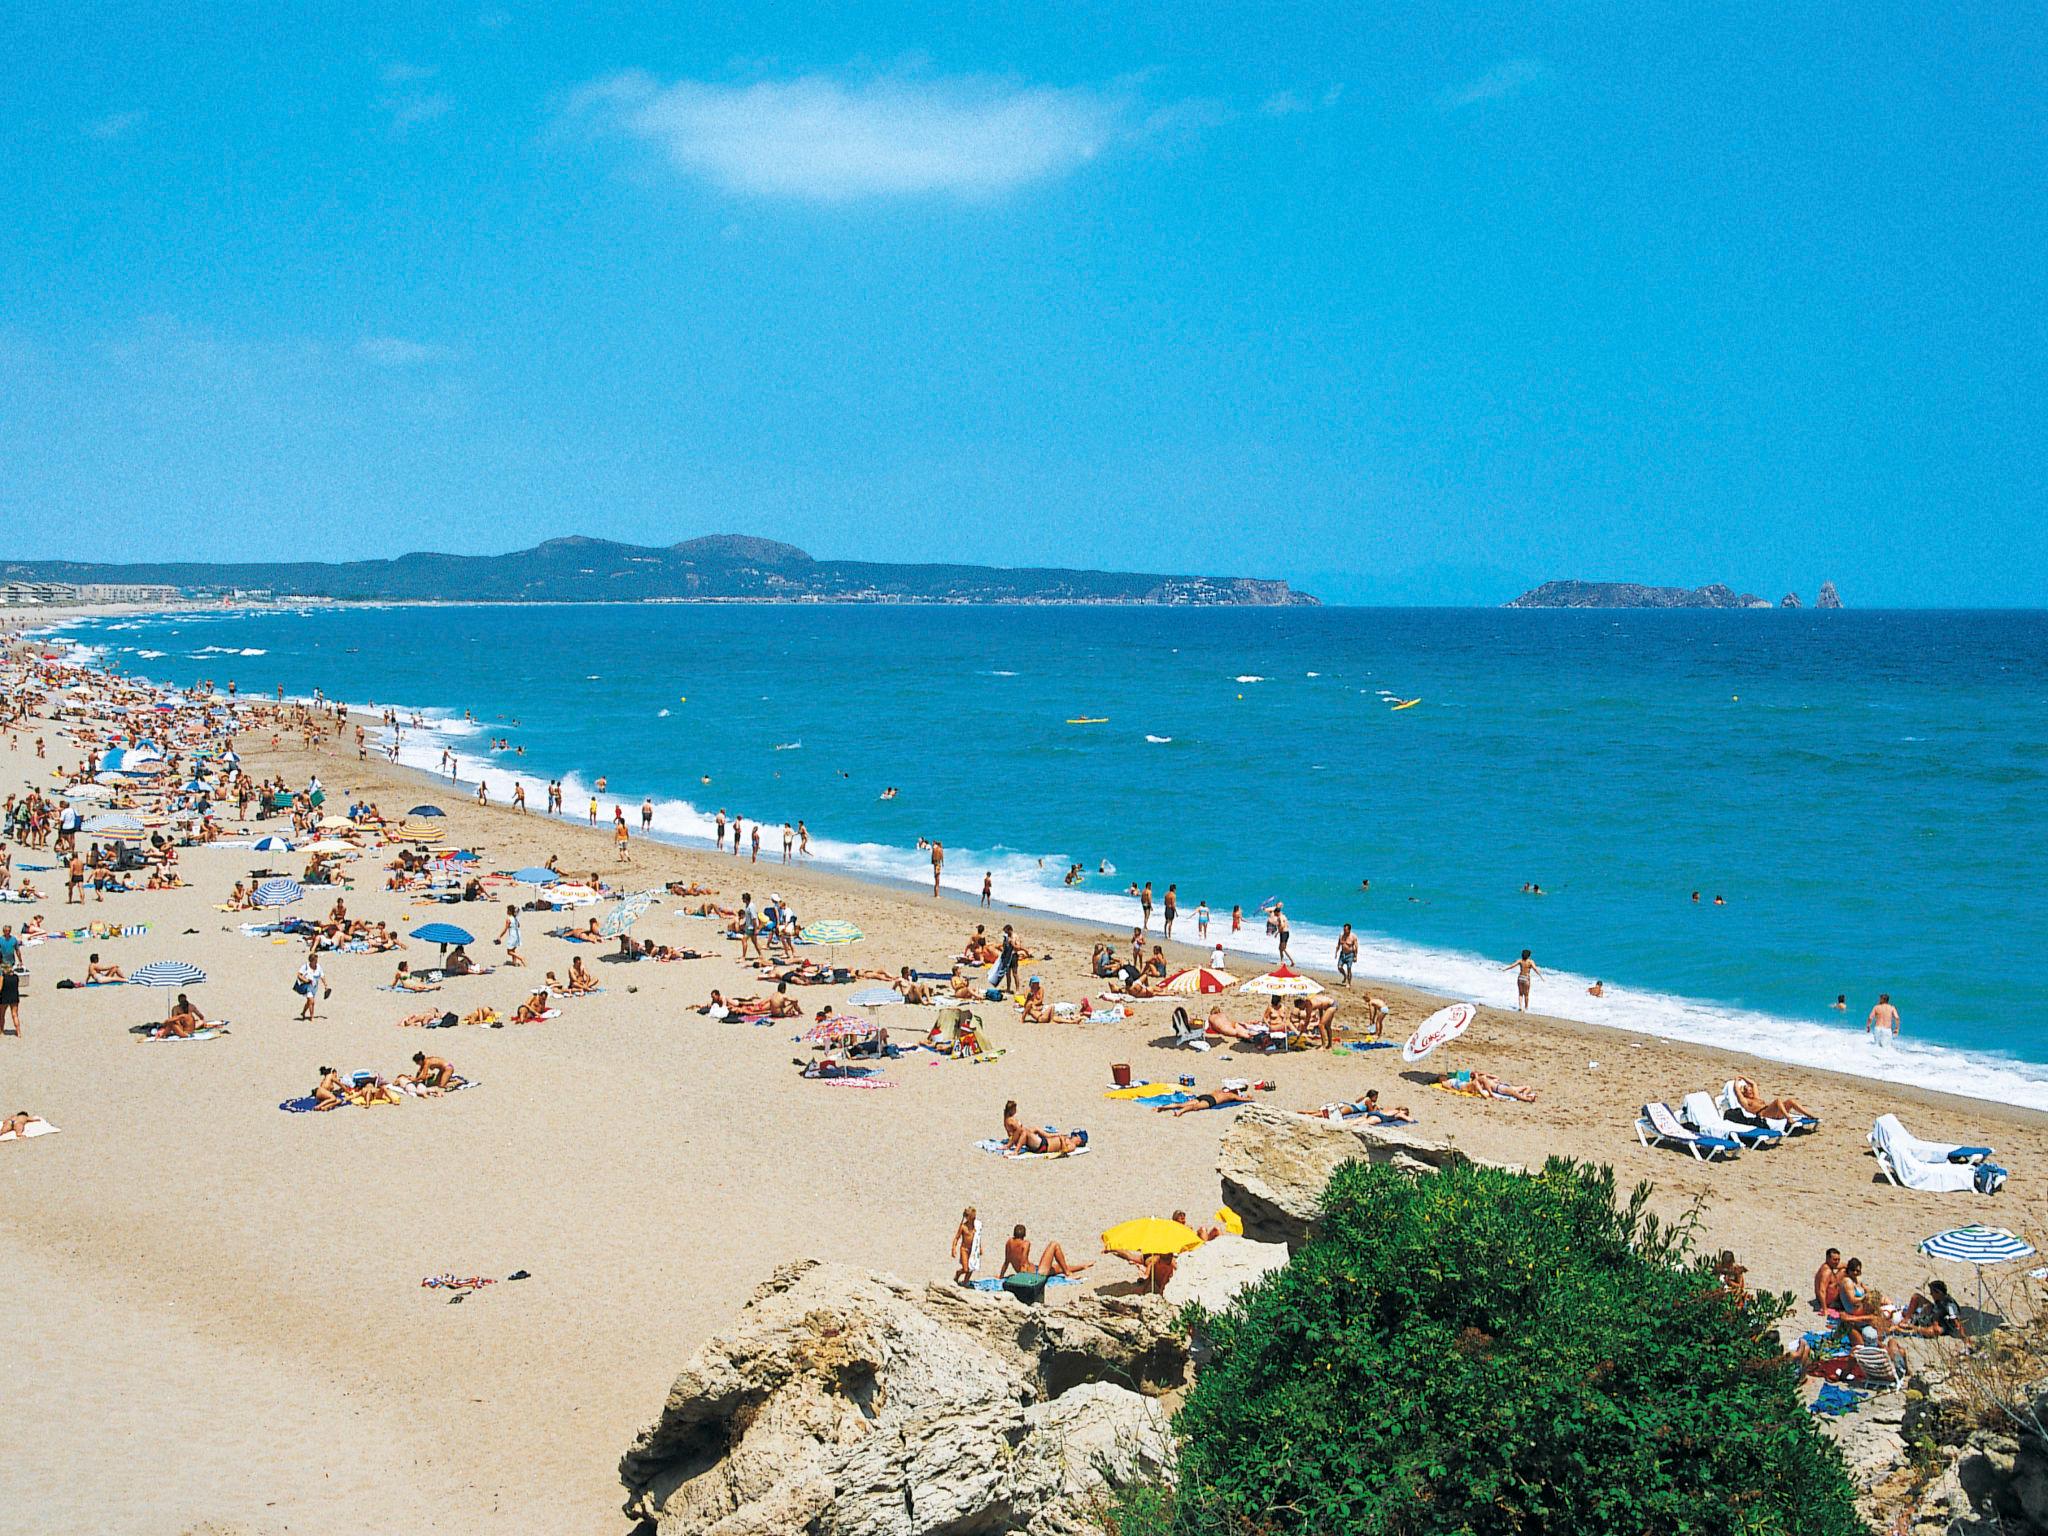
(1137, 1091)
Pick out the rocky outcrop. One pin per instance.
(846, 1403)
(1213, 1274)
(1789, 600)
(1274, 1165)
(1829, 597)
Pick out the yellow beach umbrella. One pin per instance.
(1230, 1220)
(1150, 1234)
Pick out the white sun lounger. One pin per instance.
(1731, 1106)
(1657, 1126)
(1932, 1167)
(1700, 1112)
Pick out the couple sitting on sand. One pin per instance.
(183, 1021)
(431, 1074)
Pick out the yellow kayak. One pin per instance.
(1406, 703)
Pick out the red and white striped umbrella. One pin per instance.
(1198, 981)
(1285, 982)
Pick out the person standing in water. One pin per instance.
(1526, 971)
(938, 864)
(1145, 908)
(1883, 1023)
(988, 886)
(1169, 909)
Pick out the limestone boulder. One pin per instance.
(1216, 1272)
(1274, 1165)
(847, 1403)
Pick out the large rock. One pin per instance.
(846, 1403)
(1274, 1165)
(1213, 1274)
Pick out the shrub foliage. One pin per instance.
(1492, 1352)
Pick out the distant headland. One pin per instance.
(720, 568)
(1630, 594)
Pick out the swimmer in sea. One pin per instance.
(1598, 989)
(1841, 1002)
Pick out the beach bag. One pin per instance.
(1990, 1179)
(303, 988)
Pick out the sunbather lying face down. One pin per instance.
(1207, 1101)
(1368, 1108)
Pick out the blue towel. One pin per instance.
(1969, 1154)
(1359, 1047)
(990, 1283)
(299, 1106)
(1834, 1400)
(1167, 1100)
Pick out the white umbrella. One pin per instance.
(1285, 982)
(1440, 1028)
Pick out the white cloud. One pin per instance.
(408, 102)
(823, 139)
(1284, 104)
(115, 125)
(397, 352)
(1502, 80)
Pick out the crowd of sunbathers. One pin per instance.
(430, 1077)
(1866, 1320)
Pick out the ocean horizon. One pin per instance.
(1846, 782)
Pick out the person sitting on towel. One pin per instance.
(530, 1011)
(913, 990)
(95, 973)
(459, 962)
(330, 1092)
(1037, 1006)
(580, 979)
(1052, 1261)
(183, 1020)
(404, 980)
(429, 1072)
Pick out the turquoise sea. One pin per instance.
(1867, 790)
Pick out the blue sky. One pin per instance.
(1404, 305)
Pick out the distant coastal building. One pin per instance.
(126, 592)
(36, 594)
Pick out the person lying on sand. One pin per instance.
(826, 1068)
(1052, 1143)
(1224, 1027)
(580, 979)
(678, 888)
(777, 1005)
(432, 1072)
(530, 1011)
(1754, 1104)
(17, 1124)
(481, 1016)
(709, 909)
(1052, 1261)
(1492, 1087)
(404, 980)
(421, 1020)
(1207, 1101)
(1367, 1108)
(96, 973)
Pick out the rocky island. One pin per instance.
(1630, 594)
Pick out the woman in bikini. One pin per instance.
(530, 1011)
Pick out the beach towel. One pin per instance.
(994, 1144)
(421, 1091)
(1168, 1100)
(551, 1013)
(568, 996)
(853, 1082)
(1834, 1400)
(990, 1283)
(36, 1127)
(1137, 1090)
(207, 1033)
(1360, 1047)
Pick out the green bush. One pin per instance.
(1491, 1352)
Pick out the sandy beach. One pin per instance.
(213, 1310)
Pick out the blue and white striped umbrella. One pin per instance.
(273, 844)
(278, 893)
(1977, 1245)
(167, 973)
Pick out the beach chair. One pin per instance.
(1702, 1114)
(1932, 1167)
(1188, 1033)
(1877, 1367)
(1731, 1106)
(1657, 1126)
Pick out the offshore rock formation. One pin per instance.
(846, 1403)
(1629, 594)
(1789, 600)
(1829, 597)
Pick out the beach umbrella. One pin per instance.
(533, 874)
(1284, 982)
(118, 821)
(167, 973)
(1977, 1246)
(335, 823)
(1198, 980)
(426, 810)
(1440, 1028)
(840, 1026)
(331, 845)
(443, 934)
(417, 834)
(831, 930)
(460, 856)
(278, 893)
(88, 792)
(111, 760)
(619, 919)
(273, 844)
(876, 997)
(1150, 1234)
